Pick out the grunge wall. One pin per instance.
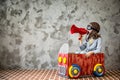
(32, 31)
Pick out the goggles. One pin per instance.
(91, 28)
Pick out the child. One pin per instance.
(92, 43)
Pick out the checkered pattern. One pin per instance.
(45, 74)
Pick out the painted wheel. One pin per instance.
(99, 70)
(74, 71)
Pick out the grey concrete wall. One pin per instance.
(32, 31)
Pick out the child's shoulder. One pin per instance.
(99, 39)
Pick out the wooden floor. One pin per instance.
(50, 75)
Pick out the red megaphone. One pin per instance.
(81, 31)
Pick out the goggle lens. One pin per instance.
(89, 27)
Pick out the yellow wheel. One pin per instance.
(74, 71)
(99, 70)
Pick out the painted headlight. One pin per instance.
(64, 60)
(59, 59)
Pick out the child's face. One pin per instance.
(90, 31)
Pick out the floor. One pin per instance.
(50, 75)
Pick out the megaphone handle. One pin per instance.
(80, 37)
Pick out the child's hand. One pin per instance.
(89, 54)
(81, 42)
(80, 39)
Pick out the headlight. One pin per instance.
(59, 59)
(64, 60)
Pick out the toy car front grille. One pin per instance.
(62, 70)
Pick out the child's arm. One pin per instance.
(83, 43)
(98, 48)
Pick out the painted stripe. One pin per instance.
(28, 74)
(39, 74)
(45, 74)
(108, 75)
(48, 76)
(92, 77)
(42, 75)
(23, 72)
(34, 75)
(55, 75)
(18, 74)
(9, 73)
(48, 72)
(118, 74)
(116, 78)
(106, 78)
(112, 74)
(97, 78)
(51, 74)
